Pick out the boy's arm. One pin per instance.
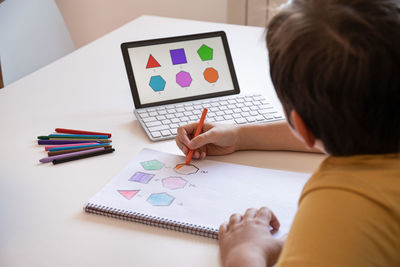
(270, 136)
(220, 139)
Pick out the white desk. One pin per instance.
(41, 218)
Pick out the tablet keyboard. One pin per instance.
(162, 122)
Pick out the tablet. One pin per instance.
(179, 69)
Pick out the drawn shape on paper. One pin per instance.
(157, 83)
(152, 165)
(141, 177)
(205, 53)
(186, 169)
(128, 194)
(211, 75)
(160, 199)
(174, 183)
(178, 56)
(152, 62)
(183, 78)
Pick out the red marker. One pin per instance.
(198, 130)
(69, 131)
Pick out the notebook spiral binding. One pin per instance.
(152, 220)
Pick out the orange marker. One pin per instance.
(198, 130)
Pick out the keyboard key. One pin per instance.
(245, 109)
(240, 100)
(140, 111)
(224, 102)
(189, 107)
(219, 118)
(215, 104)
(220, 113)
(210, 119)
(197, 111)
(239, 105)
(245, 114)
(254, 108)
(184, 119)
(240, 120)
(160, 108)
(158, 128)
(223, 107)
(228, 117)
(171, 111)
(227, 122)
(179, 115)
(162, 112)
(173, 131)
(211, 114)
(278, 117)
(166, 121)
(153, 123)
(175, 120)
(253, 113)
(188, 113)
(161, 117)
(251, 119)
(156, 134)
(198, 107)
(228, 111)
(193, 117)
(268, 117)
(263, 111)
(237, 115)
(149, 119)
(256, 103)
(144, 115)
(207, 105)
(173, 126)
(259, 118)
(232, 101)
(153, 113)
(165, 132)
(170, 116)
(180, 109)
(237, 110)
(214, 109)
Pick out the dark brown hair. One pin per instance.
(337, 63)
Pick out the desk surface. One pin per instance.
(42, 222)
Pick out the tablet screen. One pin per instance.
(179, 69)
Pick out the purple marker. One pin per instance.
(67, 155)
(62, 142)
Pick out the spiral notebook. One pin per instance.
(156, 189)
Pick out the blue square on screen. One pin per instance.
(178, 56)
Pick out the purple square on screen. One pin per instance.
(141, 177)
(178, 56)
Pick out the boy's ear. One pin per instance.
(301, 129)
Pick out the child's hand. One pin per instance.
(246, 240)
(215, 139)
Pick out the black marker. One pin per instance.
(97, 153)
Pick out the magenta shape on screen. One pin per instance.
(141, 177)
(178, 56)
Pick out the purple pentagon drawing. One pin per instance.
(183, 78)
(178, 56)
(141, 177)
(174, 182)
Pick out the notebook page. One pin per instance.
(205, 193)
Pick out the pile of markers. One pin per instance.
(68, 145)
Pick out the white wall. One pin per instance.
(88, 20)
(32, 34)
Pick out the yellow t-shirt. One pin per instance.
(348, 215)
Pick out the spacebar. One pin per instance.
(158, 128)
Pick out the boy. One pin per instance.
(335, 65)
